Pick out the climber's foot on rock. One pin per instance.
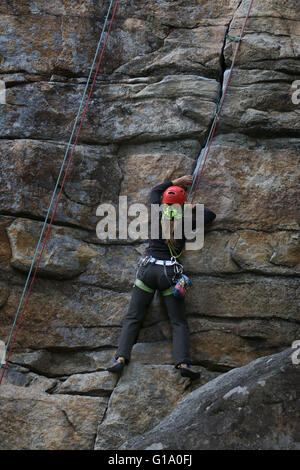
(186, 371)
(117, 365)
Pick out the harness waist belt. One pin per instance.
(162, 262)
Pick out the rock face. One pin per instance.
(252, 407)
(33, 420)
(160, 81)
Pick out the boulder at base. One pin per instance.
(252, 407)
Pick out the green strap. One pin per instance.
(143, 286)
(168, 291)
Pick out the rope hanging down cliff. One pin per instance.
(205, 151)
(197, 174)
(18, 319)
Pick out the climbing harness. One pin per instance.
(205, 151)
(11, 339)
(150, 260)
(143, 286)
(177, 277)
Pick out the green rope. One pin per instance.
(172, 253)
(166, 214)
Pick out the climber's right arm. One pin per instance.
(157, 192)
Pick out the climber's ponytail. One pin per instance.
(171, 226)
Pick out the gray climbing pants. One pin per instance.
(153, 277)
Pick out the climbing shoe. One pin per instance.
(188, 372)
(116, 366)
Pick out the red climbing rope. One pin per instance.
(59, 194)
(220, 105)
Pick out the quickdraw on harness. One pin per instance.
(183, 282)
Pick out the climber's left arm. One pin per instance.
(209, 216)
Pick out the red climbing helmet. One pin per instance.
(174, 195)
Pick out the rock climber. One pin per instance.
(159, 270)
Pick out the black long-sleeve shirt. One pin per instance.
(157, 247)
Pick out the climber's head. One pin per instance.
(174, 195)
(172, 201)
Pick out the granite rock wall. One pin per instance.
(162, 75)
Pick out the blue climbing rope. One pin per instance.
(3, 362)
